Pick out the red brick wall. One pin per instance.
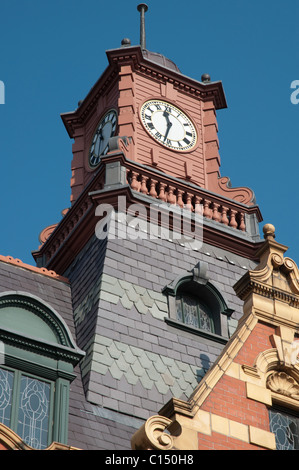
(220, 442)
(228, 398)
(257, 342)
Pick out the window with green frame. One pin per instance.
(26, 406)
(35, 375)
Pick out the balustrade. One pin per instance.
(188, 198)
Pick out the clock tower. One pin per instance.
(150, 313)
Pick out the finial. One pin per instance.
(269, 232)
(126, 42)
(142, 8)
(205, 78)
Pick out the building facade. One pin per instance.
(154, 293)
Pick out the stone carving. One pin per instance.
(152, 435)
(284, 384)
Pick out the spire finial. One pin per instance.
(269, 232)
(142, 8)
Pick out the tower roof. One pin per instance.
(160, 59)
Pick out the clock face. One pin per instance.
(168, 125)
(106, 129)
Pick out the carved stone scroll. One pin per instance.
(152, 435)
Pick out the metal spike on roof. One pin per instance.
(142, 8)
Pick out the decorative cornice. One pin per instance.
(272, 288)
(133, 56)
(76, 119)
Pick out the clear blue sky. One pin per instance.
(53, 51)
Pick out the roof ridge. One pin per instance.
(44, 271)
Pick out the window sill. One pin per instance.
(190, 329)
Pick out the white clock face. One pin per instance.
(106, 129)
(168, 125)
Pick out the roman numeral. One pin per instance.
(186, 141)
(150, 125)
(94, 159)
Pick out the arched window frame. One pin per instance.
(197, 284)
(49, 361)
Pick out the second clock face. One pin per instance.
(105, 130)
(168, 125)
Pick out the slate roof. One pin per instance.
(135, 362)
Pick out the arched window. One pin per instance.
(36, 369)
(195, 304)
(192, 311)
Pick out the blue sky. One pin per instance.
(53, 51)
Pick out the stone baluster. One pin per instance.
(224, 218)
(180, 197)
(162, 194)
(135, 184)
(171, 198)
(206, 209)
(143, 187)
(198, 207)
(242, 225)
(233, 223)
(215, 212)
(152, 191)
(188, 204)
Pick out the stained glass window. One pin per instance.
(28, 411)
(33, 416)
(194, 313)
(285, 426)
(6, 387)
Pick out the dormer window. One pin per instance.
(197, 306)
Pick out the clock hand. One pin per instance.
(166, 115)
(169, 123)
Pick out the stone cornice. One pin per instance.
(78, 223)
(133, 56)
(76, 119)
